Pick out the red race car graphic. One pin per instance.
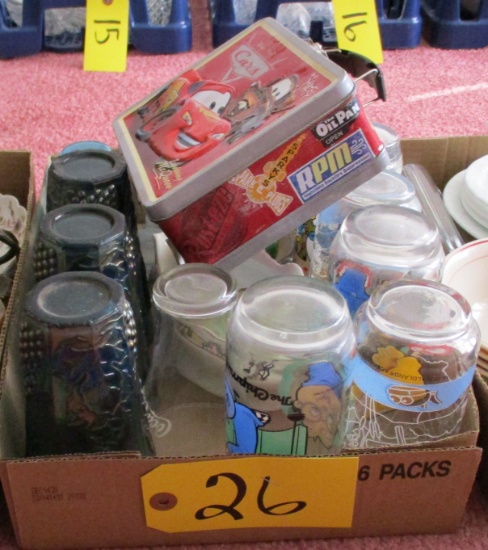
(185, 119)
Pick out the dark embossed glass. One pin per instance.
(92, 176)
(77, 346)
(93, 237)
(97, 176)
(83, 237)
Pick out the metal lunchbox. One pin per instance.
(247, 144)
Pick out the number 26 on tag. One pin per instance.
(106, 35)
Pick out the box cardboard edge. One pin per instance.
(461, 150)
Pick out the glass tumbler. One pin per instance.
(93, 176)
(193, 302)
(417, 349)
(391, 141)
(387, 187)
(381, 243)
(77, 348)
(84, 237)
(94, 237)
(289, 343)
(96, 176)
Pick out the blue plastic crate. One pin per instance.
(400, 21)
(453, 24)
(28, 39)
(175, 37)
(225, 24)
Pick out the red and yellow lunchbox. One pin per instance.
(247, 144)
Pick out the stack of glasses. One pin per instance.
(86, 323)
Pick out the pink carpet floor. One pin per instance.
(48, 102)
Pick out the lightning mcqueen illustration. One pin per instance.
(184, 121)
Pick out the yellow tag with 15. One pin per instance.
(106, 35)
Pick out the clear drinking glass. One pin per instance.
(391, 141)
(387, 187)
(383, 243)
(193, 302)
(289, 343)
(417, 349)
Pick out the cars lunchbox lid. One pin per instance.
(226, 111)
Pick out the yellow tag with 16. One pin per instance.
(357, 28)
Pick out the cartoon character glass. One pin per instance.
(417, 349)
(290, 341)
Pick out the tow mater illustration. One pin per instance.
(257, 103)
(185, 120)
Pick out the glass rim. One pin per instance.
(220, 304)
(434, 333)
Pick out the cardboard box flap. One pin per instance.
(481, 392)
(16, 178)
(445, 156)
(98, 501)
(75, 503)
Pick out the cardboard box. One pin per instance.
(15, 170)
(16, 178)
(122, 499)
(444, 157)
(481, 391)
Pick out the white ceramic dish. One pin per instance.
(466, 270)
(474, 194)
(482, 367)
(482, 363)
(454, 205)
(13, 218)
(483, 354)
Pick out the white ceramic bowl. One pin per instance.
(466, 270)
(483, 354)
(12, 216)
(474, 194)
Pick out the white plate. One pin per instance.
(483, 354)
(474, 195)
(482, 366)
(452, 201)
(12, 216)
(466, 270)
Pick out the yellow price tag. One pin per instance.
(251, 492)
(106, 35)
(357, 28)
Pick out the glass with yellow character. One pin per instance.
(417, 349)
